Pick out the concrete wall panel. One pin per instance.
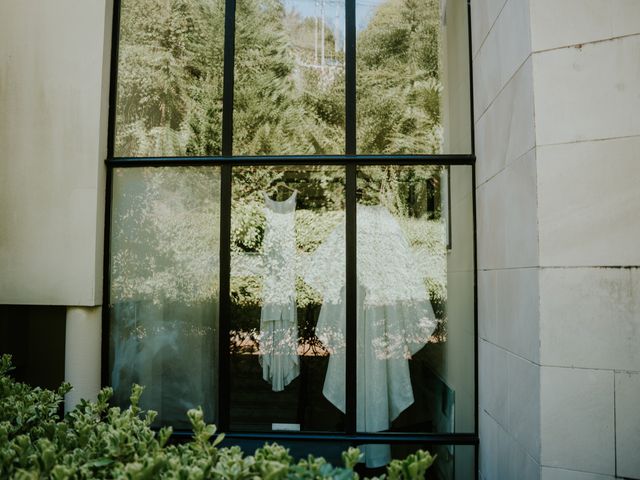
(506, 130)
(577, 414)
(505, 49)
(589, 92)
(627, 424)
(590, 21)
(507, 217)
(589, 193)
(590, 318)
(54, 71)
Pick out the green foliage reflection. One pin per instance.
(285, 101)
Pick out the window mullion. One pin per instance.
(350, 77)
(113, 80)
(224, 372)
(350, 220)
(228, 81)
(351, 301)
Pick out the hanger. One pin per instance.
(278, 193)
(284, 185)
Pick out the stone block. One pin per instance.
(590, 92)
(491, 223)
(488, 461)
(506, 47)
(492, 385)
(577, 419)
(506, 130)
(590, 318)
(513, 461)
(483, 15)
(628, 424)
(517, 312)
(557, 24)
(501, 455)
(524, 404)
(507, 217)
(588, 197)
(487, 304)
(549, 473)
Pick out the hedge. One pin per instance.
(96, 440)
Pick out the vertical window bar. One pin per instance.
(113, 78)
(228, 80)
(224, 373)
(350, 219)
(106, 283)
(350, 77)
(351, 299)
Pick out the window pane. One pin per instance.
(415, 300)
(289, 77)
(164, 289)
(170, 78)
(412, 77)
(287, 342)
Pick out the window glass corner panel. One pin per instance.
(413, 92)
(456, 79)
(163, 301)
(415, 322)
(450, 462)
(169, 92)
(289, 77)
(287, 334)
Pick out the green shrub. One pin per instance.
(98, 441)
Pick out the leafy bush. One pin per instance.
(98, 441)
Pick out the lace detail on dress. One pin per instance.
(278, 319)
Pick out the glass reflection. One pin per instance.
(280, 351)
(164, 289)
(399, 80)
(409, 368)
(169, 95)
(289, 77)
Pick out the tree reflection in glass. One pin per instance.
(164, 289)
(398, 71)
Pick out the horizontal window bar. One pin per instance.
(443, 159)
(358, 438)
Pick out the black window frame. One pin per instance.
(350, 161)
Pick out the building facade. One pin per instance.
(554, 130)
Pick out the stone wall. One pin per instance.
(557, 90)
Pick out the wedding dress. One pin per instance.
(394, 320)
(278, 319)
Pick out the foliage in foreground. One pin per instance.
(98, 441)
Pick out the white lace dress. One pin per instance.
(278, 318)
(394, 320)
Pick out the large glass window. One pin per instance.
(290, 238)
